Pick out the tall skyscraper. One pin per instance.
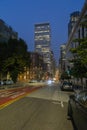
(42, 39)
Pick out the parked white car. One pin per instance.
(1, 83)
(8, 82)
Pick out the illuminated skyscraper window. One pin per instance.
(42, 38)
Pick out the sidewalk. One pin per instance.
(18, 84)
(22, 84)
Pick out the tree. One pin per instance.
(3, 57)
(65, 75)
(79, 61)
(14, 57)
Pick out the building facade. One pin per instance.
(62, 57)
(6, 32)
(73, 19)
(76, 31)
(42, 38)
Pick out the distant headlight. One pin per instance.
(49, 81)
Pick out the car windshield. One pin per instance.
(82, 98)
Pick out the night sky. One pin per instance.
(22, 15)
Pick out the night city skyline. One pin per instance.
(22, 15)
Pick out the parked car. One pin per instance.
(33, 81)
(77, 109)
(67, 86)
(1, 83)
(8, 82)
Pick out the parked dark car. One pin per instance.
(68, 86)
(1, 83)
(77, 109)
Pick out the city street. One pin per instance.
(42, 109)
(43, 65)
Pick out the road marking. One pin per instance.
(56, 102)
(62, 105)
(59, 102)
(16, 96)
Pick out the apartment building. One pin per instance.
(76, 31)
(6, 32)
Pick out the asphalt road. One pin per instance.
(43, 109)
